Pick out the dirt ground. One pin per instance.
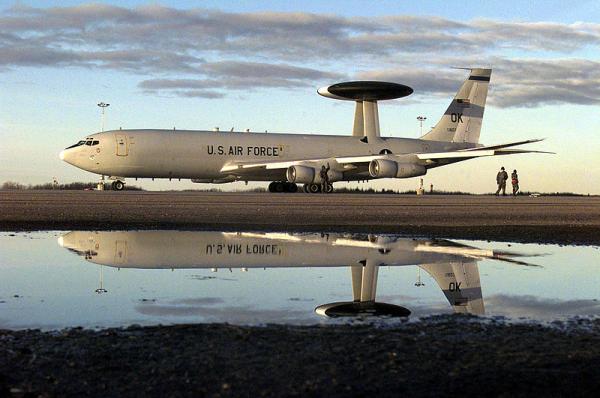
(565, 220)
(440, 356)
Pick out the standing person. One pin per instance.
(515, 182)
(324, 178)
(501, 178)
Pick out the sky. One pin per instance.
(257, 65)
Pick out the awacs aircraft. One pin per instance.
(454, 266)
(291, 159)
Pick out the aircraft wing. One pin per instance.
(343, 164)
(468, 154)
(492, 150)
(356, 163)
(499, 146)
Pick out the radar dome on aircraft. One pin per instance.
(365, 94)
(365, 91)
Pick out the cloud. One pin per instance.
(425, 81)
(206, 53)
(529, 83)
(536, 307)
(237, 75)
(515, 82)
(535, 36)
(214, 310)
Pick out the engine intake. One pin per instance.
(309, 175)
(301, 174)
(384, 168)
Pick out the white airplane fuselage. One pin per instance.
(203, 154)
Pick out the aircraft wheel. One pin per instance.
(314, 188)
(329, 188)
(279, 186)
(118, 185)
(291, 187)
(272, 186)
(305, 188)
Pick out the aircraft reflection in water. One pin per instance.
(453, 266)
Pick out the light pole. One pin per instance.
(421, 119)
(418, 283)
(101, 289)
(103, 106)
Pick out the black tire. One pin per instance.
(314, 188)
(118, 185)
(329, 188)
(291, 187)
(272, 186)
(305, 188)
(279, 187)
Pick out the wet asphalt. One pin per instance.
(566, 220)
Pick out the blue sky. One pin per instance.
(197, 65)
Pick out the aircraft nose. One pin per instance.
(67, 155)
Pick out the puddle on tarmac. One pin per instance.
(53, 280)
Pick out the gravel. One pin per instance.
(443, 355)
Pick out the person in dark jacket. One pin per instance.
(501, 178)
(515, 182)
(324, 174)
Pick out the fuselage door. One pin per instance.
(122, 145)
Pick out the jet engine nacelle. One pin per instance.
(301, 174)
(384, 168)
(308, 175)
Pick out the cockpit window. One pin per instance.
(88, 143)
(78, 144)
(95, 142)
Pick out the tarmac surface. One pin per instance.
(568, 220)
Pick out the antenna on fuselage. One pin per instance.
(366, 94)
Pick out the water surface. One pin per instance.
(52, 280)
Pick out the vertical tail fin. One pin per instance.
(462, 120)
(460, 283)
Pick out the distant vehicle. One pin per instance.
(290, 159)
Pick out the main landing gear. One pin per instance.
(280, 186)
(316, 188)
(117, 185)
